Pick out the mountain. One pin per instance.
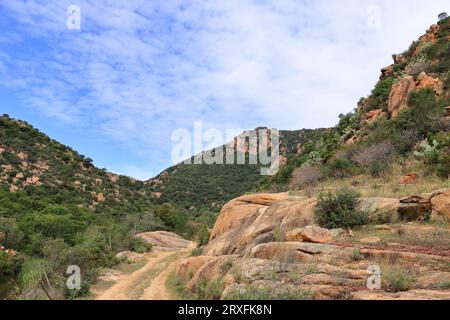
(203, 187)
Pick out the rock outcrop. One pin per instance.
(258, 219)
(165, 241)
(398, 98)
(440, 204)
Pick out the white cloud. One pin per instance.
(139, 70)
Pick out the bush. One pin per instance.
(210, 290)
(339, 168)
(398, 279)
(305, 176)
(379, 168)
(369, 155)
(338, 210)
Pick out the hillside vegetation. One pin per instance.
(401, 128)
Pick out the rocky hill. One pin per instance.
(31, 162)
(368, 209)
(204, 187)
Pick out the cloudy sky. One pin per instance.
(140, 69)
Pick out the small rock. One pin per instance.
(410, 178)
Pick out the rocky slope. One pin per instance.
(269, 244)
(208, 187)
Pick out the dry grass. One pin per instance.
(387, 186)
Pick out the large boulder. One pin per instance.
(237, 210)
(398, 98)
(440, 204)
(165, 241)
(262, 223)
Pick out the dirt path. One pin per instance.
(157, 289)
(149, 282)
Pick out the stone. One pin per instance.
(425, 81)
(294, 235)
(399, 96)
(440, 204)
(374, 115)
(410, 178)
(188, 267)
(19, 175)
(316, 235)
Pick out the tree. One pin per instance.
(442, 16)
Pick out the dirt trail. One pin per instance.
(149, 282)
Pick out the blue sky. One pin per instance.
(138, 69)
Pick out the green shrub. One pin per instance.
(338, 210)
(398, 279)
(379, 168)
(356, 255)
(196, 252)
(339, 168)
(210, 289)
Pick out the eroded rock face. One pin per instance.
(374, 115)
(440, 204)
(191, 265)
(398, 98)
(425, 81)
(237, 210)
(165, 241)
(316, 235)
(258, 223)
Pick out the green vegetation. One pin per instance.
(338, 210)
(398, 278)
(252, 292)
(59, 219)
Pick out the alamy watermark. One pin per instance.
(73, 22)
(374, 281)
(254, 147)
(74, 280)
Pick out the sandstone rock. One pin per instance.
(374, 115)
(188, 267)
(238, 209)
(7, 168)
(130, 256)
(259, 224)
(212, 270)
(316, 235)
(294, 235)
(22, 156)
(387, 71)
(440, 204)
(101, 197)
(13, 189)
(2, 150)
(425, 81)
(351, 141)
(410, 178)
(19, 175)
(157, 195)
(398, 98)
(414, 211)
(165, 241)
(32, 180)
